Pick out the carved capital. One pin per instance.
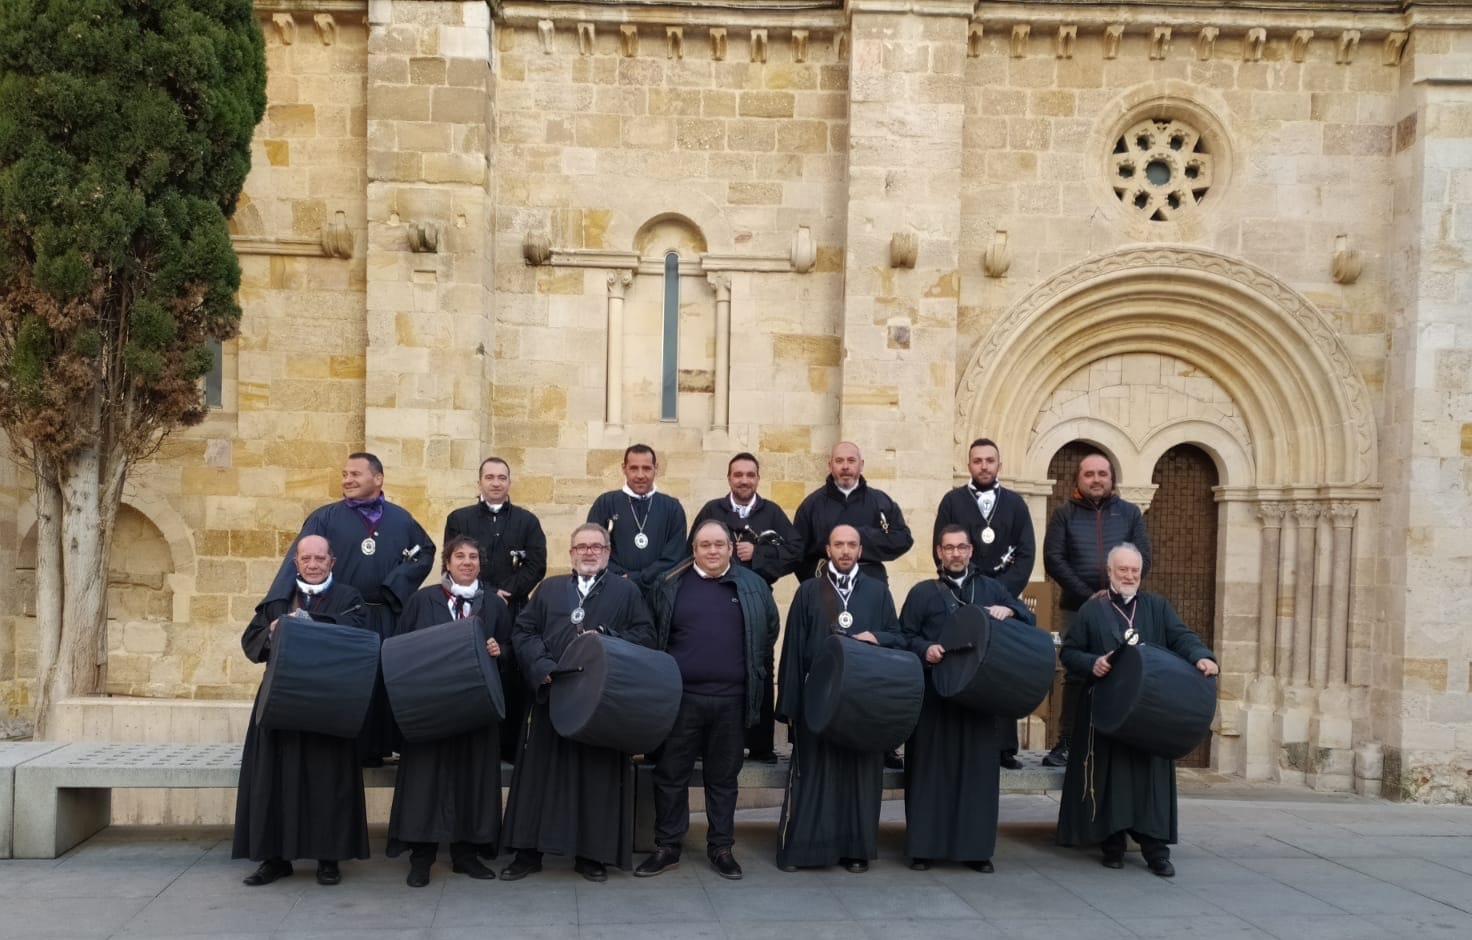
(1342, 514)
(721, 281)
(1270, 514)
(618, 283)
(1306, 514)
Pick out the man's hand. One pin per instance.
(934, 653)
(547, 680)
(271, 630)
(1101, 666)
(744, 550)
(866, 636)
(1000, 612)
(493, 647)
(1207, 666)
(504, 595)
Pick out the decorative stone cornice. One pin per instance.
(815, 15)
(336, 241)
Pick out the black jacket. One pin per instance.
(881, 526)
(1079, 538)
(775, 554)
(1008, 559)
(513, 548)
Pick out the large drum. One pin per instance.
(1001, 667)
(861, 696)
(1154, 701)
(441, 681)
(608, 692)
(320, 678)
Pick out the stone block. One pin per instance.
(700, 134)
(768, 104)
(291, 120)
(1425, 674)
(802, 137)
(754, 194)
(751, 135)
(457, 105)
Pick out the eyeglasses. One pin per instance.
(589, 548)
(955, 549)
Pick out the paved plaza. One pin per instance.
(1253, 862)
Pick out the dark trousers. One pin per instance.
(712, 729)
(1071, 685)
(422, 854)
(1153, 849)
(759, 737)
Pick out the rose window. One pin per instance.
(1161, 168)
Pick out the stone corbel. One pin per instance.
(628, 40)
(285, 25)
(1346, 46)
(1395, 44)
(326, 28)
(1348, 262)
(1113, 33)
(997, 259)
(1067, 35)
(536, 248)
(1206, 43)
(840, 47)
(799, 45)
(718, 43)
(337, 238)
(674, 37)
(804, 253)
(424, 237)
(973, 41)
(1298, 45)
(1020, 32)
(545, 31)
(1252, 44)
(759, 45)
(904, 249)
(586, 35)
(1160, 42)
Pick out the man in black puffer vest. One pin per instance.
(1080, 535)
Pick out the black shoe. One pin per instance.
(725, 865)
(1011, 762)
(984, 866)
(1162, 867)
(328, 872)
(920, 864)
(591, 870)
(522, 865)
(664, 859)
(1058, 756)
(418, 876)
(855, 865)
(787, 868)
(1113, 861)
(472, 866)
(270, 870)
(893, 760)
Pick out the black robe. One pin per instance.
(881, 526)
(450, 790)
(300, 794)
(620, 514)
(953, 773)
(830, 809)
(567, 798)
(1009, 558)
(773, 557)
(386, 579)
(1110, 786)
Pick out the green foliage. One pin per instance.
(125, 130)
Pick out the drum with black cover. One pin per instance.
(1154, 701)
(319, 679)
(863, 697)
(441, 681)
(1001, 667)
(608, 692)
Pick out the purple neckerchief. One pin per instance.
(370, 509)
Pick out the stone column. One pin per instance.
(721, 406)
(618, 286)
(1343, 517)
(1297, 711)
(1259, 713)
(1333, 764)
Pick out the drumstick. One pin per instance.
(565, 672)
(959, 649)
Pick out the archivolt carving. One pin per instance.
(1305, 406)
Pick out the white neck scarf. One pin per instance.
(312, 590)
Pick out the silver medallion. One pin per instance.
(369, 545)
(577, 615)
(641, 540)
(845, 620)
(988, 536)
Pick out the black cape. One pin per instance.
(1121, 787)
(386, 579)
(450, 790)
(953, 773)
(830, 810)
(774, 555)
(300, 794)
(663, 520)
(881, 526)
(1009, 558)
(568, 798)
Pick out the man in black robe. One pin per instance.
(767, 543)
(566, 798)
(513, 553)
(383, 553)
(952, 771)
(1111, 788)
(646, 527)
(1002, 540)
(449, 790)
(846, 498)
(830, 810)
(300, 794)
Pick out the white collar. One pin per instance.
(493, 507)
(845, 492)
(736, 505)
(466, 591)
(710, 577)
(632, 495)
(312, 590)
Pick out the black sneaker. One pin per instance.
(1058, 756)
(270, 870)
(664, 859)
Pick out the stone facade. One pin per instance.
(1243, 227)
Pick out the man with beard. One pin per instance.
(952, 773)
(767, 544)
(847, 499)
(566, 797)
(300, 794)
(513, 560)
(449, 790)
(385, 555)
(1111, 788)
(1080, 534)
(645, 527)
(1002, 541)
(830, 811)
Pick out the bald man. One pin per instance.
(846, 498)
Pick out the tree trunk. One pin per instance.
(50, 588)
